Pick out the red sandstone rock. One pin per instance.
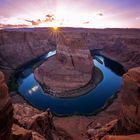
(70, 69)
(6, 110)
(37, 136)
(121, 45)
(97, 134)
(106, 39)
(33, 119)
(130, 104)
(19, 133)
(128, 137)
(130, 92)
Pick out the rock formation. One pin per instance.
(128, 137)
(26, 124)
(6, 110)
(26, 44)
(130, 96)
(20, 133)
(33, 119)
(70, 69)
(22, 45)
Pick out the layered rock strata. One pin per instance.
(23, 45)
(70, 69)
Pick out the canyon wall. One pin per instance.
(122, 45)
(18, 46)
(130, 101)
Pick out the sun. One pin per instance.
(55, 28)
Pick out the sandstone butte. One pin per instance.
(70, 69)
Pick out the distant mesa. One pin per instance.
(70, 69)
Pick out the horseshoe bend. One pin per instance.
(83, 85)
(70, 69)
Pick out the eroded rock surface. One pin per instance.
(120, 45)
(70, 69)
(23, 45)
(6, 110)
(128, 137)
(36, 125)
(19, 133)
(130, 92)
(33, 119)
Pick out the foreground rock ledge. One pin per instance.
(6, 110)
(70, 69)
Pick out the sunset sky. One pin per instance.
(71, 13)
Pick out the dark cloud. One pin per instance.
(100, 14)
(49, 18)
(35, 23)
(86, 22)
(13, 26)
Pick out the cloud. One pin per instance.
(13, 26)
(49, 18)
(100, 14)
(35, 23)
(86, 22)
(137, 18)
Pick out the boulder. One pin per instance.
(70, 69)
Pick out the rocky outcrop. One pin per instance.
(70, 69)
(101, 131)
(25, 126)
(20, 133)
(33, 119)
(130, 96)
(6, 110)
(128, 137)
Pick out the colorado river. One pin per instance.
(86, 104)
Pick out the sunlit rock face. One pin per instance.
(70, 69)
(6, 110)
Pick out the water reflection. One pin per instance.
(50, 54)
(33, 89)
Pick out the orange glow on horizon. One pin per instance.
(77, 15)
